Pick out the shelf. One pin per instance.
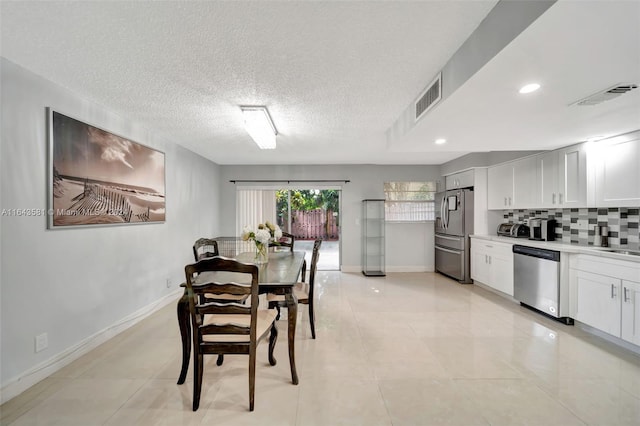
(373, 238)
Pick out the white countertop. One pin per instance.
(562, 247)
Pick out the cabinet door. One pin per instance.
(500, 187)
(524, 183)
(502, 273)
(460, 180)
(618, 173)
(631, 312)
(479, 263)
(547, 180)
(598, 301)
(572, 179)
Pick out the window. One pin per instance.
(409, 201)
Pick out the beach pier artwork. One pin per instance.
(99, 178)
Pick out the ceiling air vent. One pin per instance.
(607, 95)
(429, 97)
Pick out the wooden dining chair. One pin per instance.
(287, 241)
(302, 290)
(205, 247)
(227, 327)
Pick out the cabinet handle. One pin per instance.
(489, 260)
(613, 291)
(626, 298)
(505, 201)
(509, 200)
(559, 198)
(553, 198)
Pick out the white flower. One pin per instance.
(263, 236)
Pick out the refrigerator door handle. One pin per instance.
(442, 213)
(448, 238)
(445, 211)
(447, 250)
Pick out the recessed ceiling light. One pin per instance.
(528, 88)
(440, 141)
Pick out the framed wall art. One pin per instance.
(99, 178)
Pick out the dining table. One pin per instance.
(279, 275)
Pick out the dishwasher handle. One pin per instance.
(537, 252)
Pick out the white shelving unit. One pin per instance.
(373, 261)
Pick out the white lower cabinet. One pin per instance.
(598, 301)
(631, 312)
(492, 264)
(606, 295)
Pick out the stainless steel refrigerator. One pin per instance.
(454, 224)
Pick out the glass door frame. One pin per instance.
(292, 187)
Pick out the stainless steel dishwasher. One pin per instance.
(536, 279)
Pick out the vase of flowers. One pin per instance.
(261, 236)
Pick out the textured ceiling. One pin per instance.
(335, 75)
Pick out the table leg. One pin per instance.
(185, 333)
(292, 312)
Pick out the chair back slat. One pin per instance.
(224, 329)
(216, 308)
(222, 288)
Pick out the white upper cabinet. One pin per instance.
(524, 183)
(512, 185)
(547, 180)
(500, 187)
(572, 180)
(617, 164)
(562, 178)
(600, 174)
(460, 180)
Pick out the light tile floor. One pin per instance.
(408, 349)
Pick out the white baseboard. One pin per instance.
(408, 268)
(24, 381)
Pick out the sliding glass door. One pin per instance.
(307, 213)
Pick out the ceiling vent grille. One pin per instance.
(430, 97)
(606, 95)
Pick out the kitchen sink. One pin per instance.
(623, 251)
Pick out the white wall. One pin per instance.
(76, 284)
(410, 247)
(366, 182)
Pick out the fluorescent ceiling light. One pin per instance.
(258, 123)
(440, 141)
(529, 88)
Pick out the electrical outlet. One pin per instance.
(583, 224)
(42, 342)
(168, 282)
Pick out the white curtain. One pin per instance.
(254, 206)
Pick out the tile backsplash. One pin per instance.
(622, 222)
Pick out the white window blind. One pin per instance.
(409, 201)
(254, 207)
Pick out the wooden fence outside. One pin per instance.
(311, 224)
